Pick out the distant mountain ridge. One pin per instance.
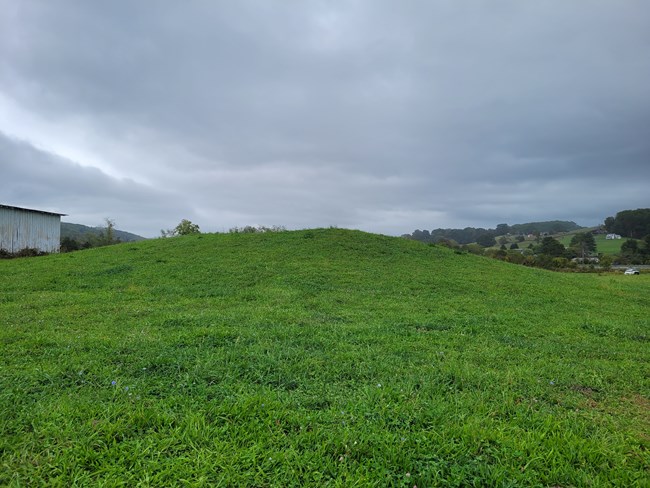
(80, 233)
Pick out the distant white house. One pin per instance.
(612, 236)
(24, 228)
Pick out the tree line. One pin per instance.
(630, 223)
(102, 237)
(546, 251)
(487, 237)
(550, 253)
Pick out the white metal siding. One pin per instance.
(22, 229)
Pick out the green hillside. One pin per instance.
(318, 358)
(81, 233)
(603, 245)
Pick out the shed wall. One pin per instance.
(22, 229)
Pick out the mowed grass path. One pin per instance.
(318, 358)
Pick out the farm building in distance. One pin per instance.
(24, 228)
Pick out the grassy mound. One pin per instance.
(322, 357)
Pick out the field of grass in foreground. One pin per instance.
(318, 358)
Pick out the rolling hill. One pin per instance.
(81, 233)
(320, 357)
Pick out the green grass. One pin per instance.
(603, 245)
(318, 358)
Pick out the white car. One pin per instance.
(631, 271)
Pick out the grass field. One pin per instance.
(319, 358)
(603, 245)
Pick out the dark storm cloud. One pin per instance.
(380, 115)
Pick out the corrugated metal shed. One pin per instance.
(23, 228)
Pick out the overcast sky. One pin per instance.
(385, 116)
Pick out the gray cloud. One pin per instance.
(377, 115)
(37, 179)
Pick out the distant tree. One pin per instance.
(450, 243)
(68, 244)
(249, 229)
(421, 235)
(606, 261)
(520, 238)
(105, 237)
(630, 247)
(514, 245)
(486, 240)
(515, 257)
(461, 236)
(609, 224)
(560, 262)
(474, 249)
(551, 247)
(110, 231)
(262, 229)
(502, 240)
(552, 226)
(472, 234)
(631, 223)
(583, 243)
(184, 228)
(543, 261)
